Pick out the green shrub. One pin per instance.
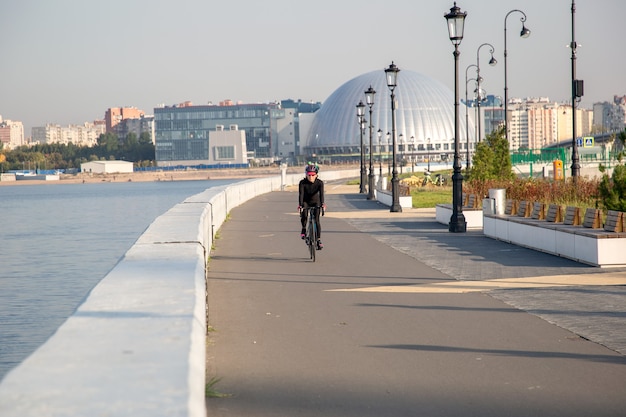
(613, 190)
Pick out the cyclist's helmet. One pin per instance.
(311, 167)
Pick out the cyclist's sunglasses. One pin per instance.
(311, 174)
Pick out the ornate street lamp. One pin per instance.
(577, 93)
(456, 22)
(392, 82)
(369, 99)
(412, 153)
(523, 34)
(360, 112)
(401, 149)
(380, 155)
(428, 154)
(467, 162)
(479, 79)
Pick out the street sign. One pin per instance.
(579, 141)
(588, 141)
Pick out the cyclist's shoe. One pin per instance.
(302, 234)
(320, 246)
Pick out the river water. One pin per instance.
(58, 241)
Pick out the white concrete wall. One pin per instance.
(136, 346)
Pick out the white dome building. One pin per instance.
(425, 110)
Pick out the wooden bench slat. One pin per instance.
(593, 218)
(471, 201)
(572, 216)
(539, 211)
(511, 207)
(614, 221)
(555, 213)
(523, 210)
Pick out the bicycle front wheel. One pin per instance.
(312, 251)
(312, 241)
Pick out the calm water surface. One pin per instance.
(58, 241)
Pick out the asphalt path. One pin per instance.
(398, 317)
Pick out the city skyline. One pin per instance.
(66, 62)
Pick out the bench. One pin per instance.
(555, 213)
(510, 207)
(472, 212)
(523, 210)
(386, 198)
(614, 221)
(586, 238)
(539, 211)
(471, 203)
(572, 216)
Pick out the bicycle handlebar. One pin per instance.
(311, 208)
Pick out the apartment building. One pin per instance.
(11, 133)
(86, 134)
(115, 115)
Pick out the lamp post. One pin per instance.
(360, 112)
(456, 22)
(388, 136)
(401, 150)
(412, 153)
(380, 155)
(369, 99)
(492, 62)
(577, 93)
(467, 162)
(428, 153)
(524, 34)
(392, 82)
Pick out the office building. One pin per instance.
(184, 132)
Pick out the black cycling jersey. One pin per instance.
(311, 193)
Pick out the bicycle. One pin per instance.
(310, 237)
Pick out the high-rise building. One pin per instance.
(115, 115)
(144, 124)
(537, 122)
(609, 117)
(11, 133)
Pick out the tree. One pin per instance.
(145, 138)
(612, 190)
(491, 160)
(109, 143)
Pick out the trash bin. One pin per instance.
(557, 166)
(499, 197)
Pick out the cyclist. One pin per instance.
(311, 194)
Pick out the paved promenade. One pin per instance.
(399, 317)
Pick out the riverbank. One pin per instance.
(186, 175)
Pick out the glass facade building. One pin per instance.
(182, 132)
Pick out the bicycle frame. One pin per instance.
(311, 232)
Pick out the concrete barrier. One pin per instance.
(473, 216)
(136, 346)
(386, 198)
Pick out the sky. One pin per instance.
(68, 61)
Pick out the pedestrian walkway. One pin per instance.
(587, 300)
(399, 317)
